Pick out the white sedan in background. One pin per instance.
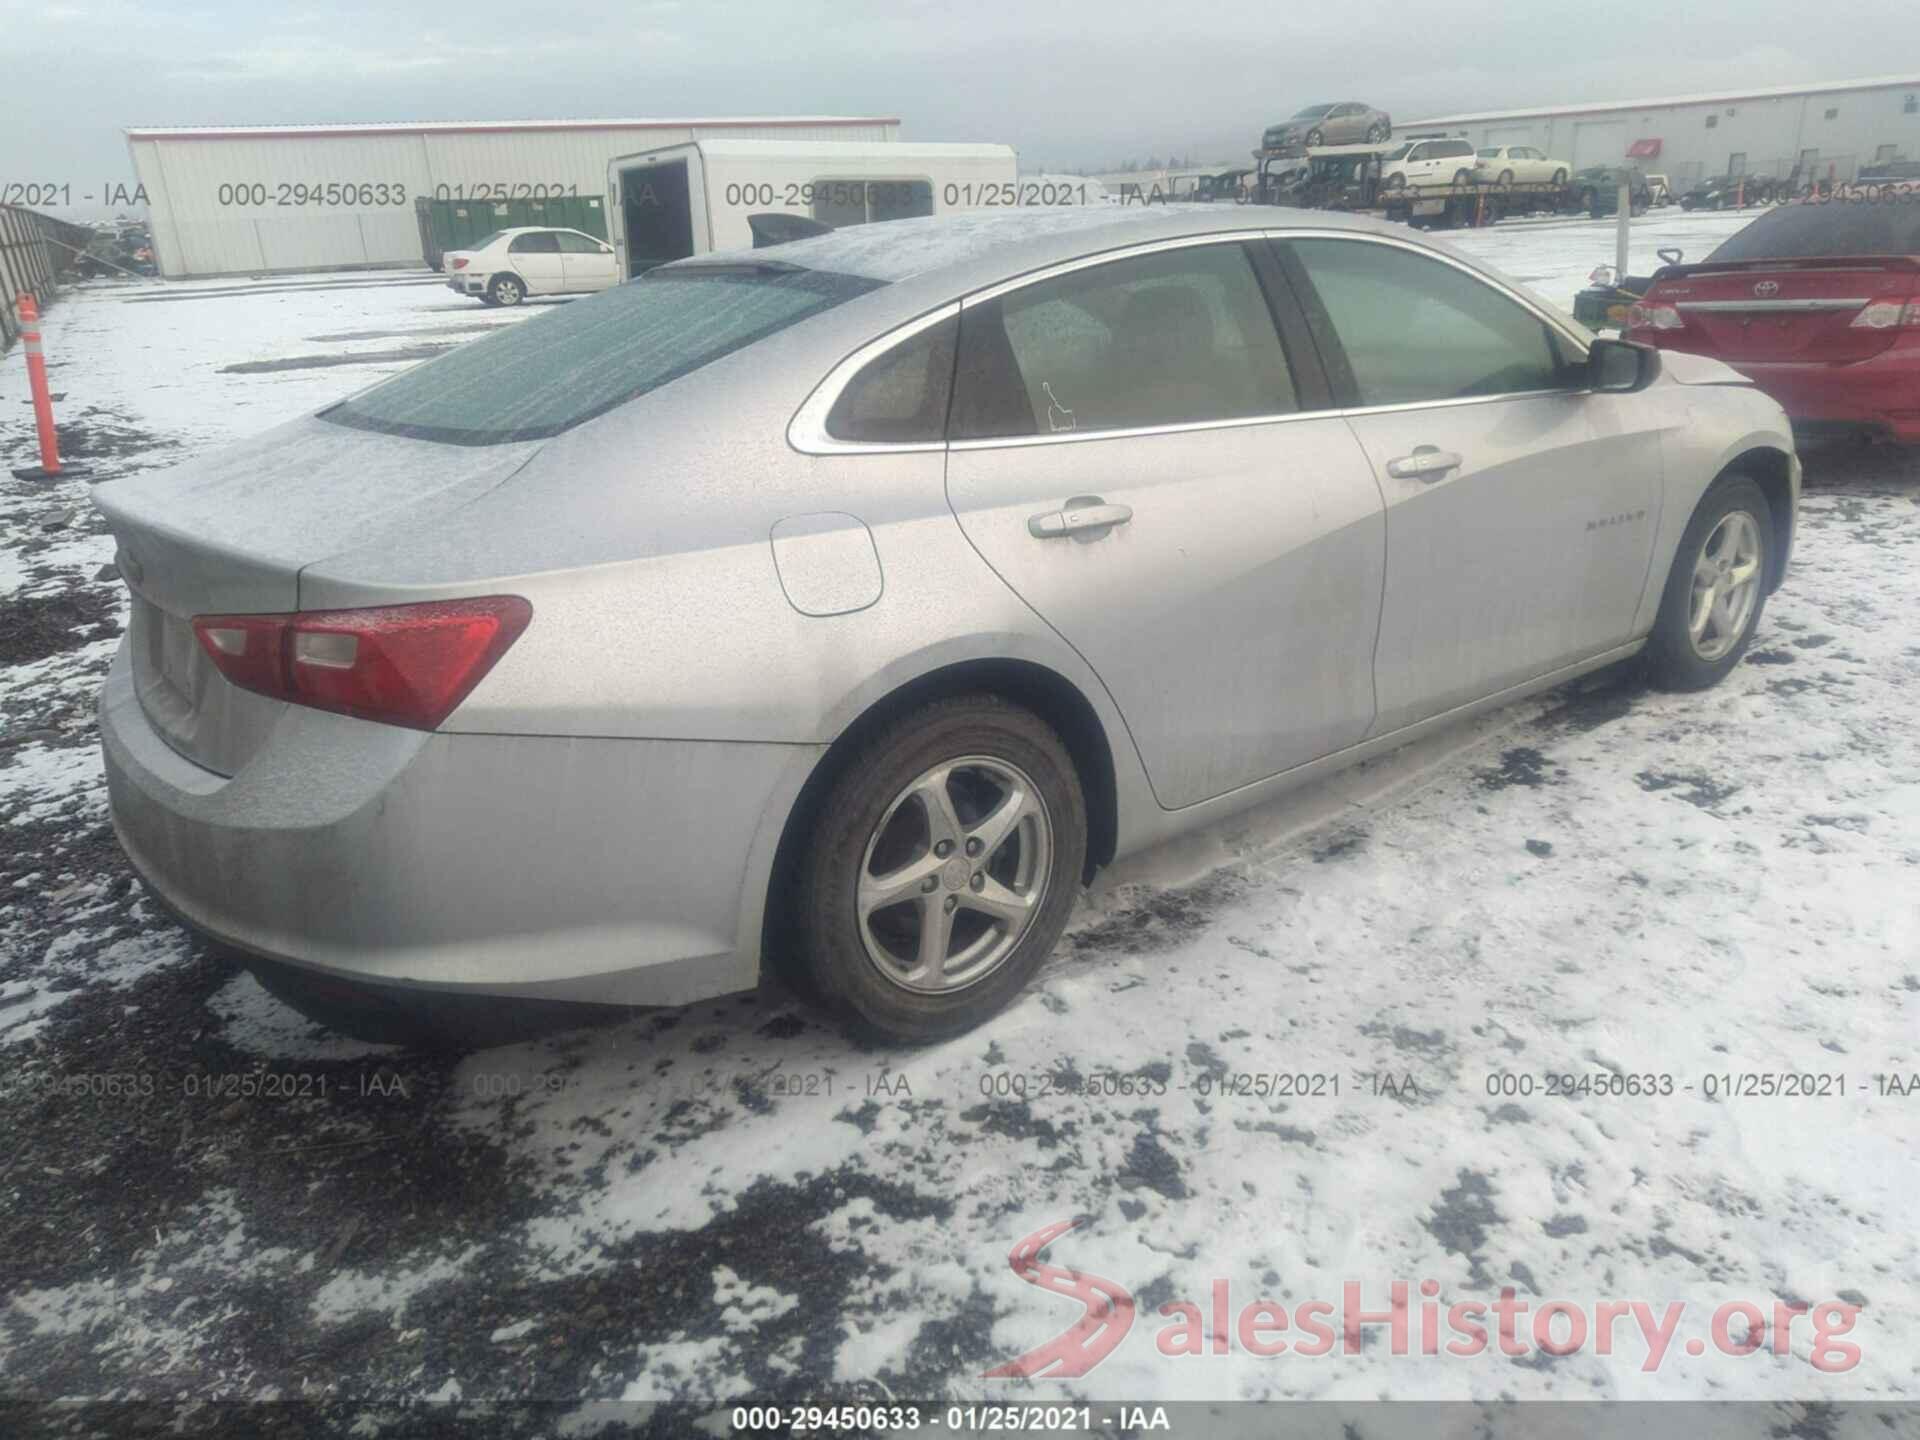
(510, 265)
(1506, 164)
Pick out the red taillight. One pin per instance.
(1888, 315)
(1642, 316)
(459, 262)
(399, 664)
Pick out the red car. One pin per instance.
(1818, 303)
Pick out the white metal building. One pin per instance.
(247, 201)
(1820, 129)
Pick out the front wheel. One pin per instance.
(1506, 178)
(1314, 137)
(1559, 177)
(943, 867)
(506, 290)
(1716, 588)
(1377, 135)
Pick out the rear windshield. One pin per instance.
(1839, 227)
(579, 360)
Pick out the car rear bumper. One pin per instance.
(467, 283)
(1881, 394)
(609, 871)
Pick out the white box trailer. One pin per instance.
(687, 199)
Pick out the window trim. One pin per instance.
(807, 430)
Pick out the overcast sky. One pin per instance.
(1071, 84)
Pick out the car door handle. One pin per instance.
(1080, 514)
(1427, 462)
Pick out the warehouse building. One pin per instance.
(250, 201)
(1818, 130)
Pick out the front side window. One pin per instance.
(1181, 336)
(541, 242)
(563, 367)
(1416, 329)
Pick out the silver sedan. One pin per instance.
(848, 604)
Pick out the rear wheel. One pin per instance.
(1716, 588)
(944, 865)
(506, 290)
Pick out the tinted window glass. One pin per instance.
(1416, 329)
(900, 199)
(572, 242)
(543, 242)
(539, 377)
(901, 397)
(854, 202)
(1176, 337)
(1808, 231)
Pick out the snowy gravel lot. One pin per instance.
(734, 1200)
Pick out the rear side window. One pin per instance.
(1180, 336)
(561, 368)
(572, 242)
(1416, 329)
(1837, 228)
(900, 398)
(543, 243)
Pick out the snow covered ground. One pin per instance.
(1307, 1049)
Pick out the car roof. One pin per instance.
(981, 246)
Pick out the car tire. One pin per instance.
(1505, 180)
(866, 959)
(506, 290)
(1314, 137)
(1560, 177)
(1377, 135)
(1463, 177)
(1731, 527)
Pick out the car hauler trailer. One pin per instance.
(687, 199)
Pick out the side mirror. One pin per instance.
(1615, 367)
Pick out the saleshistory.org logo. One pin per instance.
(1463, 1329)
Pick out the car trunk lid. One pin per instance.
(230, 533)
(1775, 311)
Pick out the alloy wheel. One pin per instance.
(954, 874)
(1726, 583)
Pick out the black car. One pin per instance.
(1729, 192)
(1596, 190)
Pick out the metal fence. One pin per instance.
(35, 250)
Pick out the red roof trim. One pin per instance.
(498, 127)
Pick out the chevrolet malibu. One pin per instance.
(847, 604)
